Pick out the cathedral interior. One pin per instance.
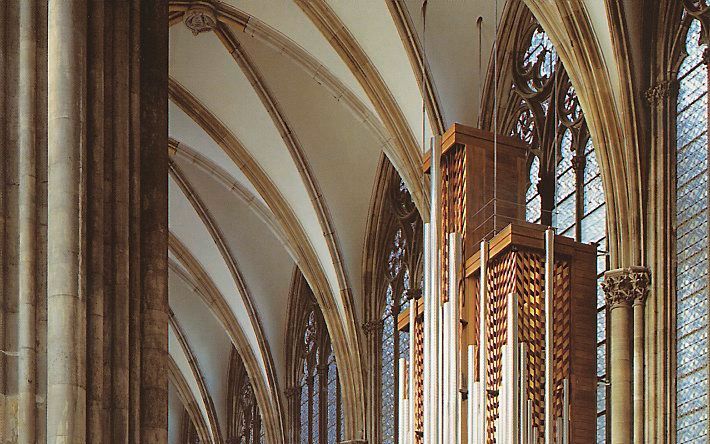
(354, 221)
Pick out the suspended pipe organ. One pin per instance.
(506, 330)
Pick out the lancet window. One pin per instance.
(691, 219)
(245, 425)
(394, 281)
(565, 185)
(318, 415)
(399, 286)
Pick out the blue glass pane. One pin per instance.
(601, 398)
(692, 245)
(316, 409)
(594, 225)
(387, 394)
(601, 429)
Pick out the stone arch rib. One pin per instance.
(176, 377)
(192, 273)
(343, 330)
(212, 421)
(237, 277)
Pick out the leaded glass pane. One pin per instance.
(565, 212)
(692, 244)
(388, 394)
(315, 416)
(601, 429)
(532, 197)
(305, 413)
(571, 184)
(332, 388)
(541, 56)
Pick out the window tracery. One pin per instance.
(565, 186)
(317, 412)
(692, 242)
(245, 424)
(396, 280)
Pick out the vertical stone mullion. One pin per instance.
(66, 391)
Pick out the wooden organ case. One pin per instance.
(504, 324)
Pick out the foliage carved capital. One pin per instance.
(625, 287)
(659, 92)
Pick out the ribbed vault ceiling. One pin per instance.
(278, 121)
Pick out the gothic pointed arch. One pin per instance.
(314, 393)
(393, 264)
(535, 100)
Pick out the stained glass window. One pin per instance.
(244, 425)
(565, 186)
(692, 242)
(320, 406)
(400, 254)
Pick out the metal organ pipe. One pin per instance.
(524, 424)
(454, 319)
(549, 339)
(435, 222)
(412, 344)
(471, 406)
(428, 355)
(482, 343)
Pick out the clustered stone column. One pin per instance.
(373, 335)
(626, 290)
(83, 226)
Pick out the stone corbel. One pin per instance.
(200, 17)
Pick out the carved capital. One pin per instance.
(625, 287)
(660, 91)
(414, 293)
(199, 18)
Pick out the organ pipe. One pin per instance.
(482, 342)
(549, 340)
(515, 306)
